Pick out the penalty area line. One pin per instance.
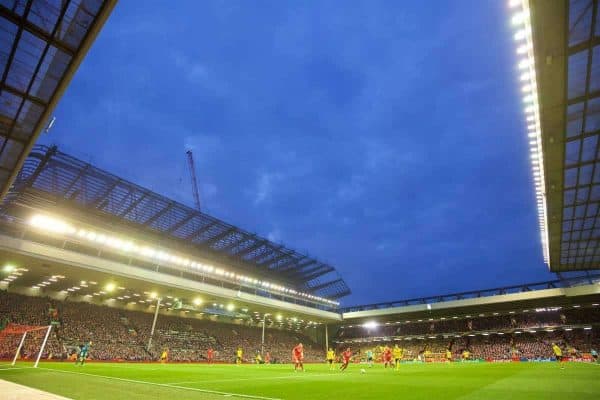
(167, 385)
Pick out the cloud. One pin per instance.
(199, 73)
(208, 190)
(194, 71)
(352, 189)
(393, 155)
(274, 235)
(265, 186)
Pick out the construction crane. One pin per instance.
(192, 168)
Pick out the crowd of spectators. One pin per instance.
(519, 344)
(523, 320)
(493, 347)
(118, 334)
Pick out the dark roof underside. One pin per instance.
(67, 178)
(42, 42)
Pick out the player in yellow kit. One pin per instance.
(466, 355)
(448, 355)
(558, 354)
(330, 358)
(238, 356)
(397, 352)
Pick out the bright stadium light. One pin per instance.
(110, 287)
(524, 64)
(230, 307)
(523, 49)
(514, 3)
(108, 240)
(370, 325)
(51, 224)
(530, 98)
(197, 301)
(521, 18)
(9, 268)
(520, 35)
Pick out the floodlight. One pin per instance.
(514, 3)
(520, 35)
(9, 268)
(520, 18)
(370, 325)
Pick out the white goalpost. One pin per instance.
(24, 332)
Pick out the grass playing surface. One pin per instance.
(266, 382)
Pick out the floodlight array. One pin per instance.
(12, 274)
(521, 20)
(47, 282)
(58, 226)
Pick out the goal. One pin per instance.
(24, 341)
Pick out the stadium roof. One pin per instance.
(37, 269)
(42, 43)
(561, 42)
(66, 180)
(577, 291)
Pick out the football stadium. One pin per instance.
(112, 290)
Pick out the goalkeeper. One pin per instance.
(83, 353)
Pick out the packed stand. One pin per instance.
(117, 334)
(524, 320)
(528, 346)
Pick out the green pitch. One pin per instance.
(266, 382)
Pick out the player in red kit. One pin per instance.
(387, 357)
(298, 357)
(346, 357)
(210, 353)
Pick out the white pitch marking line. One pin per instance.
(11, 368)
(246, 396)
(266, 378)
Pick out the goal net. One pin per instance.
(23, 342)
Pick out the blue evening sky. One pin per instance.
(386, 138)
